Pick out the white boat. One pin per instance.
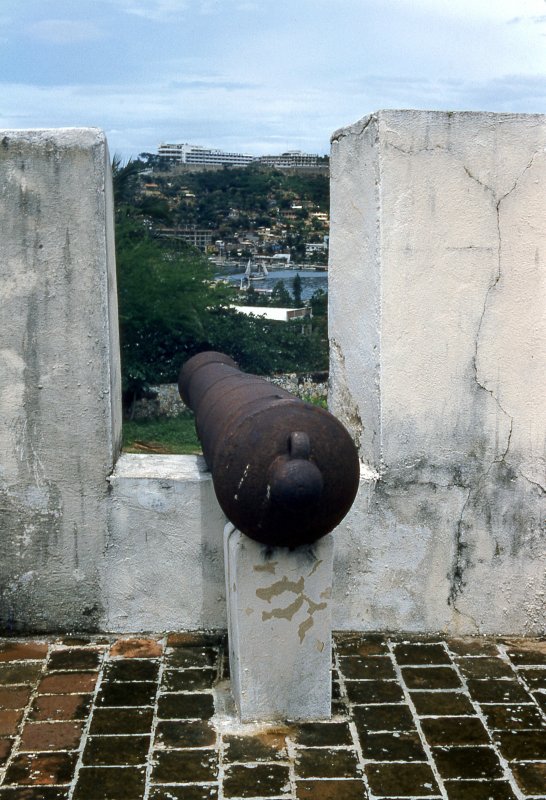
(260, 273)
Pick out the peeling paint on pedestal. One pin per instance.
(279, 620)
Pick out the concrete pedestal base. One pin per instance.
(279, 620)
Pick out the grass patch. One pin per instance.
(175, 435)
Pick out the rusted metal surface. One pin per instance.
(285, 472)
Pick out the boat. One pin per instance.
(259, 274)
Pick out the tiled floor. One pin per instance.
(123, 719)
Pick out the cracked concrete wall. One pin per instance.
(437, 322)
(60, 411)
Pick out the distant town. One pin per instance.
(237, 208)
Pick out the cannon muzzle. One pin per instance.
(285, 472)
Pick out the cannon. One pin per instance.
(285, 472)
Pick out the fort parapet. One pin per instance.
(436, 279)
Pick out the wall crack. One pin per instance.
(343, 133)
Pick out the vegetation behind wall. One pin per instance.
(171, 308)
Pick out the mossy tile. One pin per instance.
(417, 653)
(383, 718)
(401, 780)
(360, 645)
(479, 790)
(265, 746)
(454, 731)
(522, 745)
(20, 672)
(125, 670)
(41, 769)
(528, 652)
(485, 668)
(322, 734)
(121, 720)
(513, 717)
(531, 778)
(197, 639)
(359, 668)
(185, 706)
(183, 733)
(192, 657)
(110, 751)
(440, 704)
(431, 678)
(534, 678)
(188, 680)
(323, 763)
(184, 766)
(540, 700)
(74, 659)
(261, 780)
(467, 762)
(331, 790)
(368, 692)
(127, 694)
(497, 691)
(195, 792)
(339, 708)
(472, 646)
(110, 783)
(392, 746)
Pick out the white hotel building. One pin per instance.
(195, 154)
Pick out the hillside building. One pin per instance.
(195, 154)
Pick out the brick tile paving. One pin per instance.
(147, 718)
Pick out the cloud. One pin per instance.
(212, 83)
(163, 10)
(64, 31)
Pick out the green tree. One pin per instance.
(165, 293)
(280, 295)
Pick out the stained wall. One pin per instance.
(437, 322)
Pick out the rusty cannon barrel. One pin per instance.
(285, 472)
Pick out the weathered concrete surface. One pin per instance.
(60, 416)
(280, 628)
(437, 322)
(163, 567)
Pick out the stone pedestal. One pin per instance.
(279, 620)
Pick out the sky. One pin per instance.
(261, 76)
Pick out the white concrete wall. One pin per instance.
(437, 278)
(60, 418)
(437, 321)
